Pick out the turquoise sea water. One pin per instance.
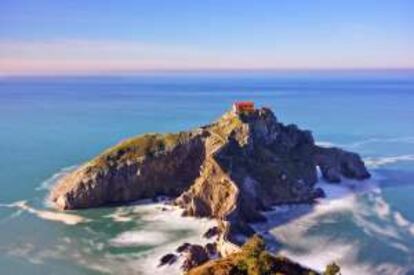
(52, 123)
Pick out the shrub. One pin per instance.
(332, 269)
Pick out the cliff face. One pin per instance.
(141, 167)
(253, 162)
(231, 169)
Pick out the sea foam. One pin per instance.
(361, 143)
(161, 226)
(48, 183)
(138, 238)
(316, 251)
(381, 161)
(69, 219)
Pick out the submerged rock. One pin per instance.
(183, 247)
(211, 232)
(168, 259)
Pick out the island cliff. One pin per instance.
(231, 170)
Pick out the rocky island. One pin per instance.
(231, 170)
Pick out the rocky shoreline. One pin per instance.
(231, 170)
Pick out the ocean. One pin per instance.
(49, 125)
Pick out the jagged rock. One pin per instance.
(195, 255)
(252, 259)
(211, 232)
(183, 247)
(335, 163)
(259, 163)
(168, 259)
(211, 249)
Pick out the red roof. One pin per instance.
(244, 104)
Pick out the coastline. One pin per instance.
(163, 212)
(340, 198)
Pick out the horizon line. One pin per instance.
(197, 71)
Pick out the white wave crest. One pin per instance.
(326, 144)
(316, 251)
(69, 219)
(381, 161)
(161, 226)
(401, 221)
(381, 140)
(138, 238)
(358, 144)
(48, 183)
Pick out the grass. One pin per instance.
(134, 148)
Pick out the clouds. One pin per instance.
(67, 56)
(102, 56)
(130, 36)
(84, 56)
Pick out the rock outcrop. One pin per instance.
(194, 255)
(167, 259)
(141, 167)
(252, 259)
(335, 163)
(231, 170)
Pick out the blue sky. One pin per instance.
(126, 36)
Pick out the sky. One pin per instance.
(112, 36)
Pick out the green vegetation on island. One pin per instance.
(253, 259)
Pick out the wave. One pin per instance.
(381, 161)
(385, 212)
(401, 221)
(358, 144)
(346, 254)
(347, 200)
(68, 219)
(139, 238)
(161, 226)
(326, 144)
(48, 183)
